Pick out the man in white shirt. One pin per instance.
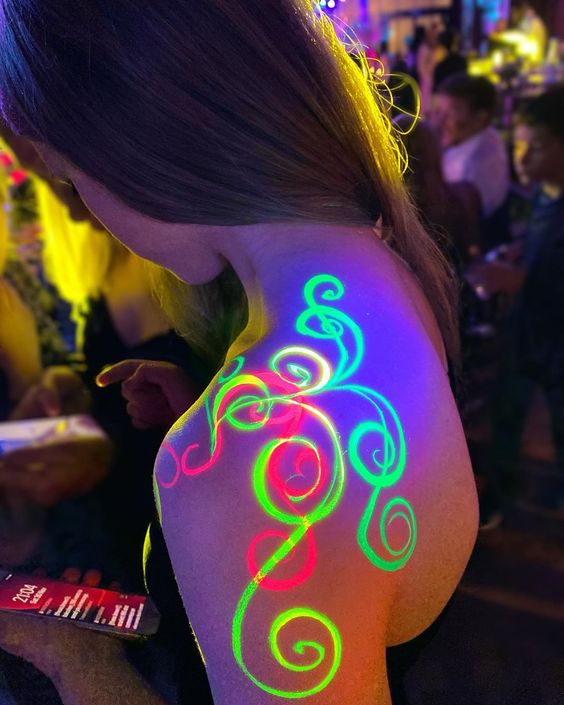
(474, 150)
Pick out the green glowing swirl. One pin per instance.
(389, 458)
(298, 372)
(386, 469)
(333, 493)
(232, 369)
(321, 510)
(376, 451)
(333, 324)
(279, 623)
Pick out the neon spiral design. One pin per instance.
(333, 324)
(167, 484)
(275, 584)
(387, 465)
(233, 368)
(301, 648)
(298, 481)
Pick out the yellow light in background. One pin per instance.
(497, 58)
(481, 67)
(76, 256)
(525, 46)
(4, 219)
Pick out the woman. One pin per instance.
(29, 340)
(427, 56)
(317, 501)
(111, 296)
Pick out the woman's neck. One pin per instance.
(273, 262)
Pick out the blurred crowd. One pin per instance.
(73, 301)
(490, 186)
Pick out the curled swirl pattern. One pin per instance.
(299, 482)
(323, 321)
(246, 402)
(312, 654)
(276, 584)
(303, 367)
(377, 451)
(296, 506)
(386, 463)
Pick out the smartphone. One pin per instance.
(36, 432)
(129, 616)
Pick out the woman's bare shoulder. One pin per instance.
(260, 521)
(321, 477)
(345, 422)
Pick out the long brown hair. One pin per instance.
(217, 112)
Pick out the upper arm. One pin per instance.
(291, 497)
(262, 524)
(274, 623)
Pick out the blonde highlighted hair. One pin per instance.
(77, 257)
(4, 217)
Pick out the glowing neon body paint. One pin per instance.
(285, 397)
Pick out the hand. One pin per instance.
(52, 472)
(487, 278)
(158, 393)
(59, 392)
(512, 252)
(53, 646)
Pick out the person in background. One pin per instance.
(426, 57)
(534, 349)
(451, 211)
(413, 44)
(110, 291)
(453, 63)
(29, 337)
(85, 485)
(474, 151)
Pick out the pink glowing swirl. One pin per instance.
(259, 411)
(290, 496)
(168, 484)
(274, 584)
(282, 485)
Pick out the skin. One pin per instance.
(456, 121)
(538, 156)
(404, 361)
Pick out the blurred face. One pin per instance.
(29, 158)
(538, 155)
(24, 150)
(184, 249)
(67, 193)
(456, 121)
(432, 34)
